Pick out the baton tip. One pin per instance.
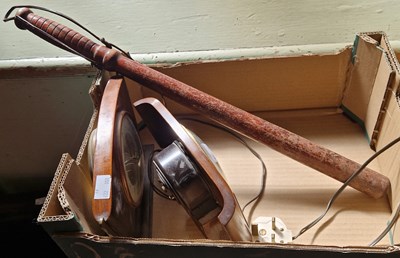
(23, 13)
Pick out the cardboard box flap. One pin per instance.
(389, 160)
(365, 60)
(77, 201)
(372, 74)
(371, 96)
(89, 245)
(68, 204)
(53, 215)
(82, 157)
(97, 87)
(282, 83)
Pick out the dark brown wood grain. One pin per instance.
(118, 215)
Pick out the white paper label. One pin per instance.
(102, 188)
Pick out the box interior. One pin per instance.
(310, 95)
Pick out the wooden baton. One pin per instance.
(290, 144)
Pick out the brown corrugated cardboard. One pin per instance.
(374, 70)
(302, 94)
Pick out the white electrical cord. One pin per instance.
(388, 227)
(346, 183)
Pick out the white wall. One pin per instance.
(173, 25)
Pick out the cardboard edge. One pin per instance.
(389, 160)
(385, 86)
(350, 107)
(392, 85)
(53, 190)
(95, 92)
(393, 58)
(61, 219)
(381, 43)
(62, 199)
(81, 158)
(77, 201)
(85, 243)
(97, 87)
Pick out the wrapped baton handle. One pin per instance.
(290, 144)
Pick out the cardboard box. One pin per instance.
(345, 101)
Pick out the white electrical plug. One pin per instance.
(271, 230)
